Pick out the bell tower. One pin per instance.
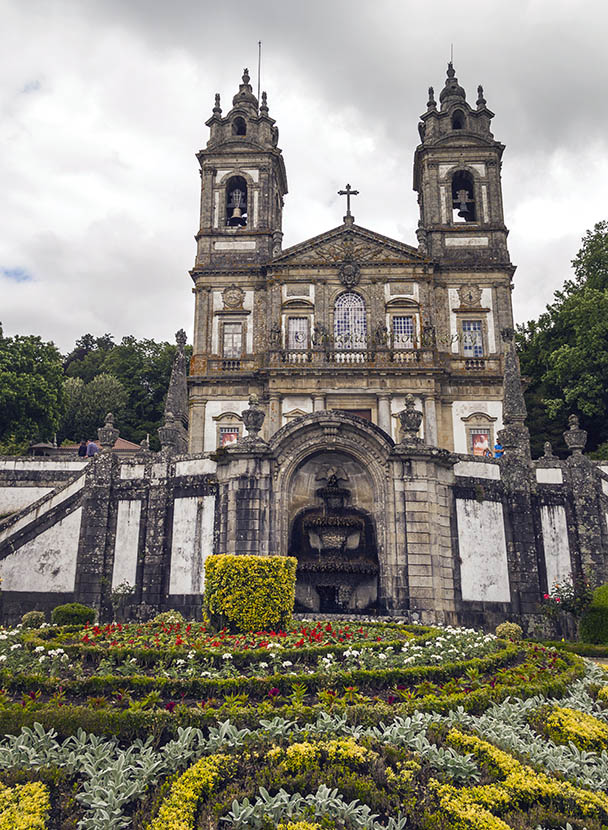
(243, 183)
(457, 177)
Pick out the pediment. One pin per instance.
(348, 242)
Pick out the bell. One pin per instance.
(236, 213)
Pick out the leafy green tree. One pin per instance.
(88, 403)
(31, 389)
(142, 366)
(565, 352)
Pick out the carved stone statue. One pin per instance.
(575, 437)
(410, 419)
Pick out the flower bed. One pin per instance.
(325, 725)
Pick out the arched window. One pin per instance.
(458, 121)
(350, 324)
(463, 197)
(236, 201)
(239, 126)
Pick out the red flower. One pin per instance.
(170, 706)
(274, 692)
(391, 699)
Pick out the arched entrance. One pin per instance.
(333, 509)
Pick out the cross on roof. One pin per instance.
(348, 193)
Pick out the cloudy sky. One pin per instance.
(103, 104)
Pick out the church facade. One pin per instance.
(352, 320)
(342, 402)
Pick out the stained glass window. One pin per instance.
(403, 332)
(350, 324)
(472, 339)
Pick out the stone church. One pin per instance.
(342, 404)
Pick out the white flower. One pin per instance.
(38, 649)
(191, 655)
(179, 662)
(227, 656)
(286, 664)
(263, 665)
(16, 645)
(2, 658)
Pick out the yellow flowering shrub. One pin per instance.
(301, 756)
(518, 787)
(565, 725)
(602, 695)
(24, 807)
(299, 825)
(178, 810)
(348, 751)
(250, 593)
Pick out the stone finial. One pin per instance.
(515, 437)
(253, 418)
(144, 444)
(481, 101)
(264, 104)
(452, 91)
(246, 78)
(180, 338)
(108, 433)
(431, 104)
(217, 110)
(410, 419)
(575, 437)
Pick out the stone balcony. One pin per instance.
(336, 358)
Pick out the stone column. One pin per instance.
(196, 423)
(274, 413)
(430, 421)
(318, 403)
(384, 413)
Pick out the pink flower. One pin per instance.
(274, 692)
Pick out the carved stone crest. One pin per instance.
(349, 273)
(233, 297)
(470, 295)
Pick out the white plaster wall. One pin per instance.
(397, 404)
(130, 471)
(467, 241)
(44, 507)
(487, 302)
(127, 542)
(194, 467)
(37, 464)
(477, 469)
(46, 563)
(549, 475)
(191, 544)
(16, 498)
(555, 542)
(460, 409)
(212, 410)
(484, 572)
(303, 402)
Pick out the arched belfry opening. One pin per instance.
(333, 535)
(239, 126)
(458, 120)
(464, 208)
(236, 202)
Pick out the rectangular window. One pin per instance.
(403, 332)
(297, 333)
(228, 435)
(479, 440)
(472, 338)
(233, 340)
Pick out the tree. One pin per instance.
(565, 352)
(88, 404)
(31, 389)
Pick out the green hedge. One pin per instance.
(594, 622)
(250, 593)
(73, 613)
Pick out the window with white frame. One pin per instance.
(403, 331)
(350, 323)
(472, 338)
(232, 340)
(297, 333)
